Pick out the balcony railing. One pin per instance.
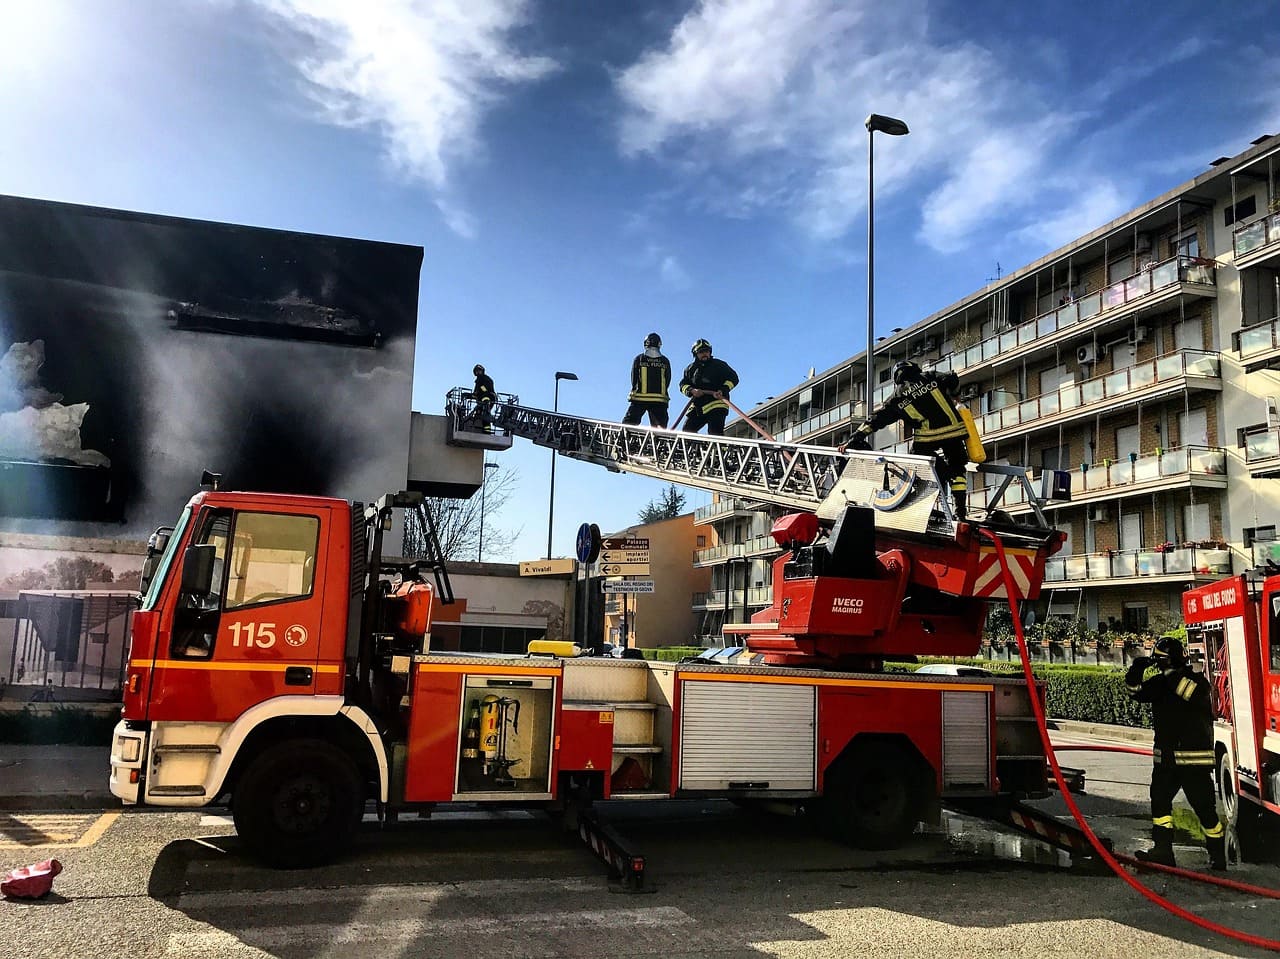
(1137, 563)
(758, 545)
(760, 596)
(1260, 339)
(716, 554)
(1256, 235)
(1262, 445)
(1101, 389)
(818, 421)
(723, 507)
(1144, 283)
(1185, 461)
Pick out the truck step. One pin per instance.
(211, 749)
(639, 794)
(176, 791)
(637, 749)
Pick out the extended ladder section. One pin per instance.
(904, 490)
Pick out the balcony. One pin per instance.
(1262, 453)
(819, 422)
(1119, 567)
(1259, 346)
(1257, 243)
(760, 596)
(715, 599)
(1140, 293)
(722, 509)
(1141, 383)
(1188, 466)
(760, 546)
(718, 554)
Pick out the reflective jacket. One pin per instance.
(650, 377)
(484, 392)
(712, 374)
(925, 406)
(1181, 713)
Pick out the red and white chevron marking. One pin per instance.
(990, 579)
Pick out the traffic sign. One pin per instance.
(588, 543)
(624, 556)
(546, 567)
(627, 586)
(624, 569)
(625, 542)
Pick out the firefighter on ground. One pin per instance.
(924, 402)
(484, 395)
(650, 378)
(1182, 716)
(707, 382)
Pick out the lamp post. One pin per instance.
(894, 128)
(551, 504)
(484, 483)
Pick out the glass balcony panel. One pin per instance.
(1178, 561)
(989, 423)
(1028, 410)
(1026, 333)
(1205, 460)
(1096, 479)
(1136, 286)
(1273, 228)
(1009, 416)
(1077, 567)
(1197, 273)
(1055, 571)
(1046, 324)
(1174, 462)
(1049, 403)
(1147, 468)
(1124, 564)
(1116, 384)
(1065, 315)
(1121, 473)
(1008, 340)
(1203, 364)
(1257, 339)
(973, 355)
(1144, 374)
(1091, 391)
(1250, 237)
(1090, 305)
(990, 348)
(1258, 446)
(1113, 296)
(1169, 367)
(1213, 560)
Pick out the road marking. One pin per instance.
(457, 815)
(53, 830)
(270, 940)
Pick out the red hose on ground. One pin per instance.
(1099, 848)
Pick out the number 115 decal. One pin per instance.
(263, 635)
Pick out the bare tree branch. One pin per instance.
(458, 521)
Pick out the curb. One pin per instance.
(1103, 731)
(59, 801)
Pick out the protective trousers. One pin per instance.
(1196, 783)
(951, 456)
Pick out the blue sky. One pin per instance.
(581, 174)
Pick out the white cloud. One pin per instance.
(420, 72)
(761, 104)
(673, 274)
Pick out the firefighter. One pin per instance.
(650, 377)
(1182, 715)
(707, 382)
(925, 402)
(484, 395)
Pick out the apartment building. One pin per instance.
(1143, 357)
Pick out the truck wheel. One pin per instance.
(298, 804)
(874, 798)
(1246, 828)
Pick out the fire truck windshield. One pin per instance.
(160, 569)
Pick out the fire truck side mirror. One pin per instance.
(197, 570)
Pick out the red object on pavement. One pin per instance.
(31, 882)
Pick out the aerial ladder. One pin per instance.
(875, 562)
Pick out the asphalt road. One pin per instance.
(725, 881)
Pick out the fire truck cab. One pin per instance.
(1235, 625)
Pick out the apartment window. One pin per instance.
(1193, 427)
(1259, 534)
(1240, 210)
(1195, 522)
(702, 541)
(1127, 441)
(1188, 335)
(1055, 458)
(1119, 269)
(1131, 531)
(1135, 617)
(1188, 244)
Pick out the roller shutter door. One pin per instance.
(966, 740)
(747, 733)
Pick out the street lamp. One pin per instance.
(894, 128)
(484, 483)
(551, 505)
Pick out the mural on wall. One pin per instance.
(137, 351)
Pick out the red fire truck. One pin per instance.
(281, 665)
(1235, 624)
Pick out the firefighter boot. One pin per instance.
(959, 497)
(1161, 851)
(1217, 846)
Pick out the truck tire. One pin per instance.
(1246, 828)
(873, 797)
(298, 804)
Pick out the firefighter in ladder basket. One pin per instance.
(1182, 715)
(925, 402)
(484, 394)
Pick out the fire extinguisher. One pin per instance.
(495, 713)
(490, 718)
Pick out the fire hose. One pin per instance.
(1114, 861)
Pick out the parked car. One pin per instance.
(952, 669)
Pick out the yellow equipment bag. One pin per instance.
(977, 452)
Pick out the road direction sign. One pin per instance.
(625, 542)
(624, 569)
(546, 567)
(627, 586)
(624, 556)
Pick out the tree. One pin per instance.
(458, 521)
(667, 506)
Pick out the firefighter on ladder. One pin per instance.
(650, 377)
(1182, 715)
(923, 401)
(707, 382)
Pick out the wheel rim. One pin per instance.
(302, 804)
(1227, 789)
(879, 801)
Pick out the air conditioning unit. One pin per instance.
(1099, 514)
(1138, 335)
(927, 345)
(1087, 354)
(970, 391)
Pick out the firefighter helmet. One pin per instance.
(1169, 647)
(477, 368)
(699, 346)
(906, 370)
(653, 339)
